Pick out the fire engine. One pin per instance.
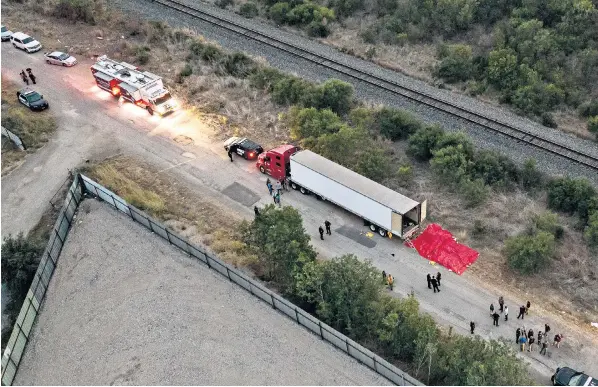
(132, 84)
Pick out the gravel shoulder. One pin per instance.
(124, 307)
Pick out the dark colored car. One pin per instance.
(565, 376)
(243, 147)
(32, 99)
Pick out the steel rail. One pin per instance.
(521, 136)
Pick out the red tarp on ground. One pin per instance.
(439, 246)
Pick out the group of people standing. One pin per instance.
(434, 282)
(388, 279)
(276, 189)
(523, 337)
(24, 76)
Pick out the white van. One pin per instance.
(25, 42)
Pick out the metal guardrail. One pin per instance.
(14, 138)
(325, 332)
(35, 296)
(82, 184)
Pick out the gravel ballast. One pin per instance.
(125, 307)
(483, 138)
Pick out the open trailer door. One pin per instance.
(423, 211)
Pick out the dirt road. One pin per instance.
(93, 126)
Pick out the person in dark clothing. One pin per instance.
(544, 346)
(521, 312)
(383, 275)
(517, 335)
(328, 224)
(495, 316)
(24, 77)
(491, 309)
(472, 326)
(546, 329)
(501, 303)
(257, 211)
(31, 75)
(429, 277)
(435, 284)
(438, 278)
(321, 233)
(540, 335)
(527, 306)
(530, 333)
(230, 154)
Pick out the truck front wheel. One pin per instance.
(150, 111)
(262, 169)
(382, 232)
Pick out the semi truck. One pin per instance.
(383, 210)
(128, 82)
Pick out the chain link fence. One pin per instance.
(35, 296)
(83, 184)
(14, 138)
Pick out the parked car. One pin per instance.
(25, 42)
(565, 376)
(32, 99)
(6, 34)
(243, 147)
(60, 58)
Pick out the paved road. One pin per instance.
(91, 125)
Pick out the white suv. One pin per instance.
(25, 42)
(6, 33)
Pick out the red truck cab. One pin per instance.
(277, 161)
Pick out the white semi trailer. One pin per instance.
(385, 211)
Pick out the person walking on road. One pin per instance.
(491, 309)
(527, 306)
(495, 316)
(278, 187)
(517, 335)
(429, 277)
(277, 198)
(521, 312)
(522, 342)
(557, 340)
(546, 329)
(506, 313)
(328, 224)
(544, 347)
(501, 303)
(391, 281)
(28, 69)
(230, 154)
(531, 343)
(438, 278)
(435, 284)
(530, 333)
(257, 211)
(384, 275)
(321, 230)
(24, 77)
(472, 326)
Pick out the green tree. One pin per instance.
(451, 164)
(593, 125)
(290, 90)
(452, 16)
(311, 122)
(374, 164)
(350, 140)
(549, 222)
(278, 239)
(474, 191)
(456, 139)
(424, 141)
(344, 291)
(20, 258)
(494, 169)
(249, 10)
(531, 179)
(456, 64)
(591, 232)
(396, 124)
(333, 94)
(528, 254)
(502, 69)
(279, 11)
(570, 195)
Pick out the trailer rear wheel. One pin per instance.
(319, 197)
(373, 227)
(382, 232)
(303, 191)
(262, 169)
(150, 111)
(294, 186)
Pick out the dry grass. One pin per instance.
(195, 217)
(34, 128)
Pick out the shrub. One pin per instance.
(342, 146)
(311, 122)
(456, 139)
(528, 254)
(237, 64)
(290, 90)
(591, 232)
(186, 71)
(570, 195)
(396, 124)
(75, 10)
(589, 108)
(211, 53)
(456, 63)
(474, 192)
(593, 125)
(531, 179)
(405, 174)
(196, 47)
(548, 120)
(248, 10)
(318, 29)
(423, 142)
(451, 164)
(333, 94)
(265, 77)
(278, 12)
(305, 13)
(142, 54)
(224, 3)
(374, 164)
(344, 8)
(548, 222)
(494, 169)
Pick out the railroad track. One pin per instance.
(519, 135)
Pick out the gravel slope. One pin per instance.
(125, 307)
(518, 152)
